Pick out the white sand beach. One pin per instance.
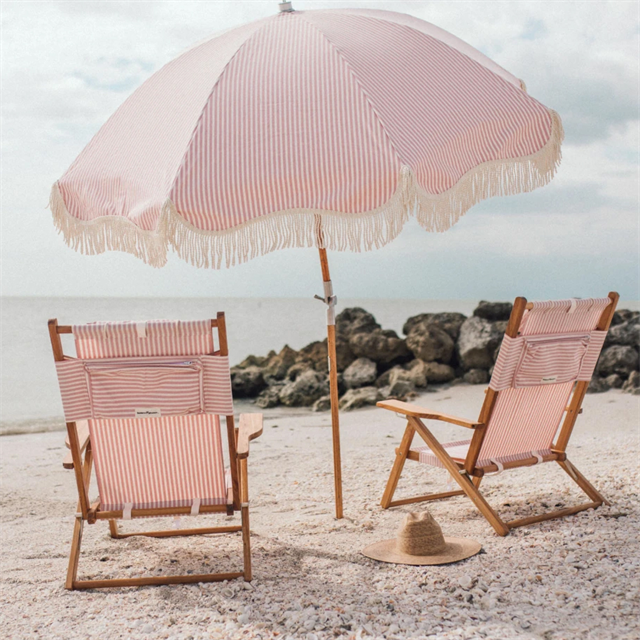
(563, 579)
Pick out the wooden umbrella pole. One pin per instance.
(330, 300)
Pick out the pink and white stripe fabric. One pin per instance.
(312, 114)
(158, 462)
(163, 369)
(526, 417)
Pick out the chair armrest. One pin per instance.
(82, 427)
(407, 409)
(249, 429)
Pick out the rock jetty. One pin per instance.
(437, 349)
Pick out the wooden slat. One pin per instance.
(408, 409)
(82, 427)
(250, 428)
(155, 580)
(463, 480)
(401, 455)
(426, 498)
(180, 532)
(522, 522)
(166, 511)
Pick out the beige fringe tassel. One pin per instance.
(108, 233)
(308, 228)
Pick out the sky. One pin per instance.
(66, 66)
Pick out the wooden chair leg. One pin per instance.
(462, 479)
(582, 482)
(398, 465)
(74, 555)
(113, 529)
(246, 544)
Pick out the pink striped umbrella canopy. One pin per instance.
(345, 121)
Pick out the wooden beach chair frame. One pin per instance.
(465, 473)
(79, 443)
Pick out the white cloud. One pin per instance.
(68, 65)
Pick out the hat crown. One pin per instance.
(421, 535)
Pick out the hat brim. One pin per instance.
(457, 549)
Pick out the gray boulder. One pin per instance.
(254, 361)
(493, 310)
(624, 315)
(298, 368)
(476, 376)
(304, 390)
(618, 359)
(598, 385)
(360, 373)
(614, 381)
(401, 385)
(356, 398)
(477, 343)
(322, 404)
(278, 365)
(429, 342)
(270, 397)
(626, 333)
(632, 384)
(447, 321)
(437, 372)
(384, 347)
(383, 378)
(248, 382)
(316, 354)
(355, 320)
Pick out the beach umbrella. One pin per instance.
(324, 129)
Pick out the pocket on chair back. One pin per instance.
(149, 387)
(550, 360)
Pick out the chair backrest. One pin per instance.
(555, 345)
(152, 393)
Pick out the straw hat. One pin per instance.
(419, 542)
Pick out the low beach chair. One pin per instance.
(142, 402)
(546, 360)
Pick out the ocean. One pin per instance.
(29, 397)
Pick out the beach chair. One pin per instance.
(546, 360)
(142, 402)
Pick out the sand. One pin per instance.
(570, 578)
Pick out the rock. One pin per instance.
(355, 320)
(400, 386)
(322, 404)
(626, 333)
(437, 372)
(384, 347)
(624, 315)
(247, 383)
(254, 361)
(384, 378)
(598, 385)
(466, 582)
(632, 384)
(278, 365)
(476, 376)
(269, 398)
(298, 368)
(360, 373)
(447, 321)
(416, 372)
(614, 381)
(304, 390)
(493, 310)
(316, 354)
(356, 398)
(617, 359)
(477, 343)
(429, 342)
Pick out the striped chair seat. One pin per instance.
(458, 451)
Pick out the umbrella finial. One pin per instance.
(285, 7)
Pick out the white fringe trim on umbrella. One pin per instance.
(306, 228)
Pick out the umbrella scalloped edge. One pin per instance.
(306, 228)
